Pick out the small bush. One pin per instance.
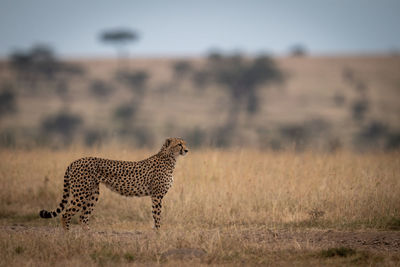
(19, 250)
(315, 214)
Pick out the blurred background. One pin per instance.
(319, 75)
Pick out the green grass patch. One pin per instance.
(5, 214)
(393, 223)
(105, 255)
(345, 255)
(337, 252)
(129, 257)
(14, 217)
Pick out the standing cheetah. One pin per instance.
(150, 177)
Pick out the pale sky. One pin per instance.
(181, 28)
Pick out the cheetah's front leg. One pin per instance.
(156, 201)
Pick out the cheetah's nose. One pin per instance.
(186, 151)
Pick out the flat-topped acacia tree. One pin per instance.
(120, 38)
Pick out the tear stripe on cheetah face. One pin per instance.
(150, 177)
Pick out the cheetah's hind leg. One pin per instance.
(88, 205)
(74, 207)
(87, 208)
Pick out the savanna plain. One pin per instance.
(227, 206)
(305, 172)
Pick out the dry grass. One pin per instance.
(218, 198)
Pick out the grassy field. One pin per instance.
(225, 207)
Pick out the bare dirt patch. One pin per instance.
(360, 240)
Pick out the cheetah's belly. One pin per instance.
(128, 187)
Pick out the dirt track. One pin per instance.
(378, 241)
(363, 240)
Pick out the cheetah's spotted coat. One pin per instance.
(150, 177)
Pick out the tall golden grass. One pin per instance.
(215, 194)
(216, 188)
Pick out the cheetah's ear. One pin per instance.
(168, 142)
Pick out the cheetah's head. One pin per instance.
(176, 146)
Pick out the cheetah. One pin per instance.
(150, 177)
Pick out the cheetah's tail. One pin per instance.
(51, 214)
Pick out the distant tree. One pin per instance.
(136, 81)
(215, 55)
(62, 88)
(303, 134)
(200, 78)
(359, 109)
(359, 106)
(124, 113)
(62, 124)
(295, 134)
(348, 75)
(181, 69)
(143, 136)
(93, 137)
(196, 137)
(124, 116)
(339, 99)
(8, 102)
(36, 63)
(298, 50)
(44, 61)
(119, 38)
(40, 63)
(393, 141)
(361, 87)
(243, 78)
(372, 135)
(100, 89)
